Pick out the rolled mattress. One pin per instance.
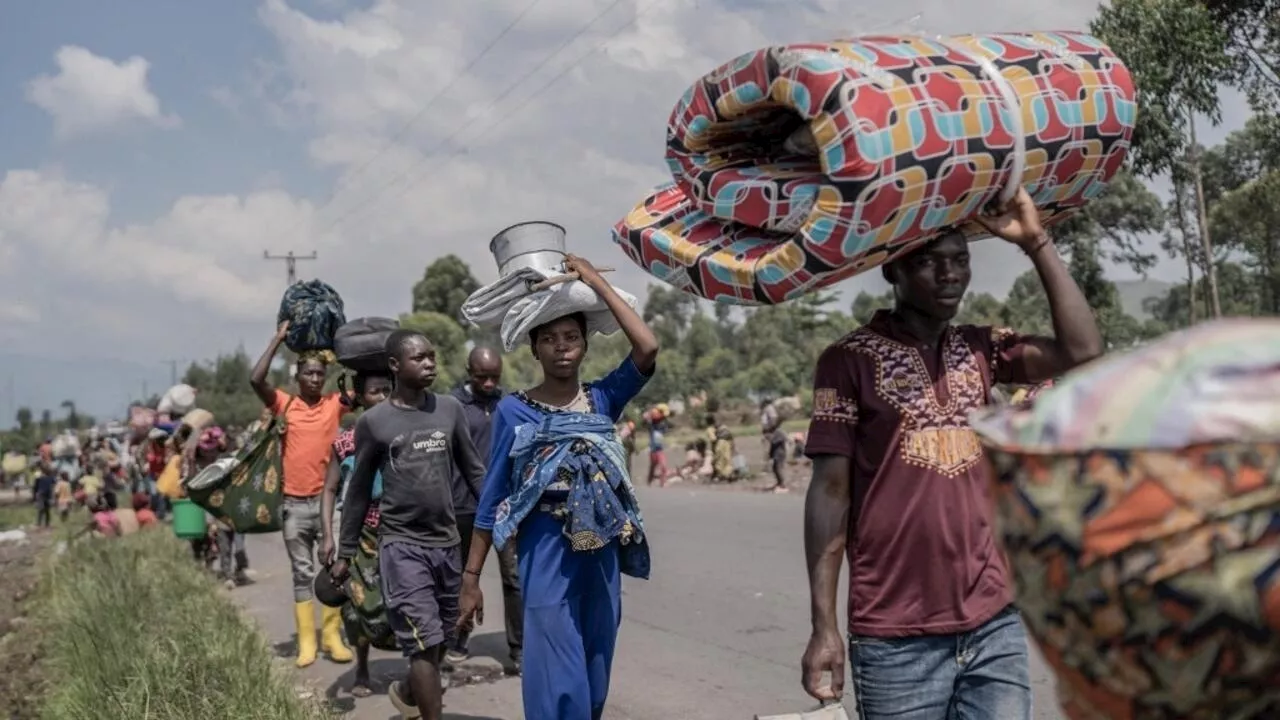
(800, 165)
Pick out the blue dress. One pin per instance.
(572, 600)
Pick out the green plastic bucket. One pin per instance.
(188, 520)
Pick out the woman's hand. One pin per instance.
(282, 331)
(587, 272)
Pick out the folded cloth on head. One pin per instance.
(488, 306)
(510, 303)
(556, 302)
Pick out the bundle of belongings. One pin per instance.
(1138, 501)
(522, 299)
(360, 345)
(177, 401)
(798, 166)
(314, 312)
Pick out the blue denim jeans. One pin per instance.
(978, 675)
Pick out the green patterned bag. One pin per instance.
(246, 490)
(364, 614)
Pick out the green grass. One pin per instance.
(17, 515)
(132, 628)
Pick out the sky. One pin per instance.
(151, 151)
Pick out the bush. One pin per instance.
(132, 628)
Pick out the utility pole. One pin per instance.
(290, 262)
(173, 371)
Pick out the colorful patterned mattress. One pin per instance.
(801, 165)
(1138, 503)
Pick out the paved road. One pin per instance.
(716, 634)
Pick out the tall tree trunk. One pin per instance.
(1179, 194)
(1202, 218)
(1273, 276)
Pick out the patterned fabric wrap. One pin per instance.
(1138, 502)
(246, 490)
(315, 312)
(798, 166)
(580, 451)
(1216, 382)
(364, 615)
(1150, 578)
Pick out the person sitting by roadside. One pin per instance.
(697, 461)
(142, 509)
(102, 522)
(126, 518)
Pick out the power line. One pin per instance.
(290, 262)
(532, 96)
(350, 176)
(520, 81)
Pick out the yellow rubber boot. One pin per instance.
(331, 635)
(304, 617)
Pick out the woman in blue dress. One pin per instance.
(557, 486)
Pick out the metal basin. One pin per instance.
(536, 244)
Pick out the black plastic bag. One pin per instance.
(361, 344)
(314, 311)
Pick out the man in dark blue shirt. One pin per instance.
(42, 494)
(479, 395)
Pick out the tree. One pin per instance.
(865, 305)
(981, 309)
(1242, 188)
(73, 419)
(668, 311)
(1249, 216)
(1176, 51)
(1118, 329)
(224, 387)
(1240, 297)
(1027, 307)
(1121, 217)
(23, 418)
(444, 286)
(1180, 238)
(1253, 31)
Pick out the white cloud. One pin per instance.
(190, 281)
(416, 177)
(579, 141)
(91, 93)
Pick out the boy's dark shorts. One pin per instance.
(420, 587)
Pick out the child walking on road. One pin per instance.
(418, 440)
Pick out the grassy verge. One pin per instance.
(132, 628)
(17, 515)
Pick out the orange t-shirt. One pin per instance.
(308, 440)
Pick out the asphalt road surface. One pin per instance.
(717, 633)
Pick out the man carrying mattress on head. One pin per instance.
(900, 487)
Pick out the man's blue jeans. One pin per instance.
(978, 675)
